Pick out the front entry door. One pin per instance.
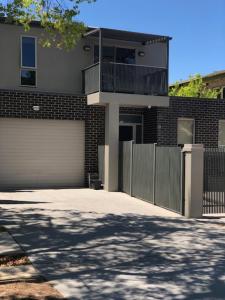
(126, 133)
(131, 128)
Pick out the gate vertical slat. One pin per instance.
(125, 166)
(142, 179)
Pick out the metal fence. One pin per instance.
(169, 178)
(214, 181)
(153, 173)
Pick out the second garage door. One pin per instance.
(41, 153)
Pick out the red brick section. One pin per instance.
(19, 104)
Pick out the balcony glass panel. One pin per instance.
(126, 78)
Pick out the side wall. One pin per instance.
(17, 104)
(205, 112)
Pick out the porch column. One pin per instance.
(193, 183)
(111, 147)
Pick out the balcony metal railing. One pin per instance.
(125, 78)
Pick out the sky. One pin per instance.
(196, 26)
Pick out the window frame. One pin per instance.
(193, 133)
(115, 53)
(21, 52)
(134, 125)
(22, 68)
(25, 85)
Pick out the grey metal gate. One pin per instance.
(214, 181)
(143, 172)
(169, 178)
(152, 173)
(125, 167)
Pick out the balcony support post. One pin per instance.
(100, 60)
(111, 147)
(167, 67)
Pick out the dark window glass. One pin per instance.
(125, 56)
(125, 133)
(138, 134)
(107, 54)
(131, 119)
(28, 52)
(28, 77)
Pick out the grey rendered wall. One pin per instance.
(57, 70)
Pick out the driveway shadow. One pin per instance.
(12, 202)
(95, 256)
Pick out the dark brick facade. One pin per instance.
(160, 124)
(19, 104)
(205, 112)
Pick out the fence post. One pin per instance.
(131, 166)
(193, 180)
(154, 172)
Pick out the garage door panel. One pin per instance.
(41, 153)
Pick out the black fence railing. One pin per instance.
(214, 181)
(125, 78)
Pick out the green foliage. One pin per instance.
(194, 88)
(57, 17)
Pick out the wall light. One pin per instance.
(141, 53)
(87, 48)
(36, 107)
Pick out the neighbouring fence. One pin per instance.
(214, 181)
(152, 173)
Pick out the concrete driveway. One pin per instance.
(97, 245)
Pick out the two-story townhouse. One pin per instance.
(57, 106)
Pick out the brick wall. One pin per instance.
(206, 112)
(17, 104)
(160, 124)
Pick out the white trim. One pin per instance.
(21, 59)
(187, 119)
(122, 99)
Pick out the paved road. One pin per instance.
(95, 245)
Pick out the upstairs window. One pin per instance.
(115, 55)
(185, 131)
(28, 61)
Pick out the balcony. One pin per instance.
(125, 78)
(130, 69)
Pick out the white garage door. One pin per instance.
(41, 153)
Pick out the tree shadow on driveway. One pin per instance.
(106, 256)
